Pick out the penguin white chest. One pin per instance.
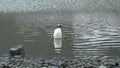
(57, 33)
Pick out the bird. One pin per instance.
(58, 32)
(57, 36)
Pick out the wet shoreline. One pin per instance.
(61, 62)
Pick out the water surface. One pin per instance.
(87, 34)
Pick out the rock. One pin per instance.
(64, 65)
(43, 67)
(102, 66)
(52, 67)
(6, 66)
(18, 50)
(116, 64)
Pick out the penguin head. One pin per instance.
(59, 25)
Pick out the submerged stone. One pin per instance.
(18, 50)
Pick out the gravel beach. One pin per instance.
(61, 62)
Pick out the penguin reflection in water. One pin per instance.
(58, 36)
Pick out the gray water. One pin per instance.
(92, 28)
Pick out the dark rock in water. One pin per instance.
(18, 50)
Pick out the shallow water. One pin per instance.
(87, 33)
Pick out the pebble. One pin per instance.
(102, 66)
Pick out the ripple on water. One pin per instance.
(94, 39)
